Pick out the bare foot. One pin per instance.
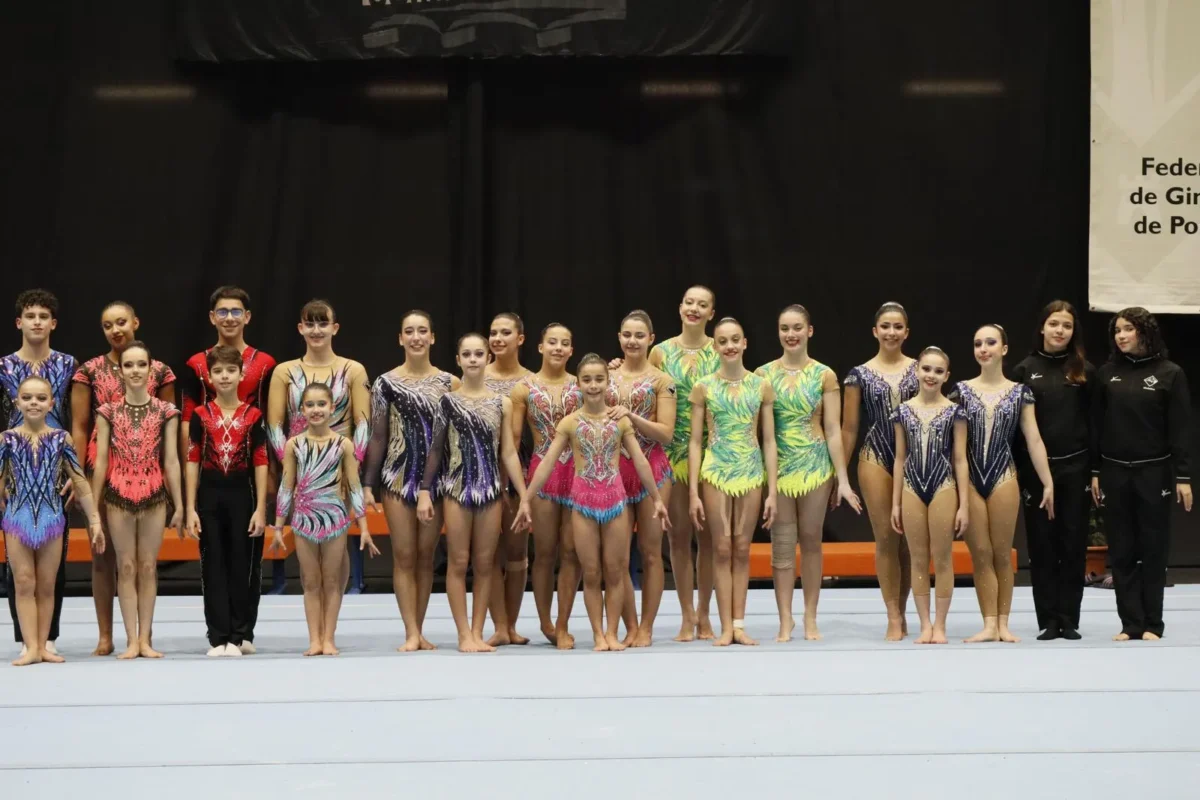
(314, 649)
(411, 645)
(1008, 636)
(50, 648)
(133, 651)
(725, 639)
(704, 628)
(628, 640)
(329, 649)
(517, 638)
(895, 631)
(939, 635)
(985, 635)
(615, 645)
(147, 651)
(550, 633)
(600, 644)
(564, 641)
(1121, 637)
(499, 639)
(741, 637)
(811, 632)
(51, 657)
(427, 645)
(926, 636)
(903, 626)
(785, 630)
(687, 630)
(103, 648)
(1146, 637)
(28, 657)
(643, 639)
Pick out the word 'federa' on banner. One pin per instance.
(1173, 194)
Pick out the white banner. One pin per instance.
(1144, 244)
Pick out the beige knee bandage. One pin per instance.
(783, 545)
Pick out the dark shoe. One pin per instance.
(1052, 632)
(1070, 633)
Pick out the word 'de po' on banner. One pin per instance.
(1144, 245)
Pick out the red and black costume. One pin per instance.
(197, 390)
(228, 449)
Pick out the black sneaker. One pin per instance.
(1070, 633)
(1052, 632)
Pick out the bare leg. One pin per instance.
(979, 542)
(628, 606)
(783, 564)
(428, 536)
(614, 553)
(402, 524)
(875, 482)
(587, 548)
(122, 529)
(705, 582)
(650, 536)
(941, 547)
(104, 587)
(680, 537)
(150, 524)
(311, 581)
(458, 557)
(332, 555)
(916, 532)
(1003, 507)
(23, 564)
(568, 580)
(485, 540)
(547, 521)
(718, 508)
(810, 511)
(47, 562)
(497, 604)
(745, 520)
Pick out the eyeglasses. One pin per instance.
(226, 313)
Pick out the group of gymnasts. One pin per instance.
(678, 436)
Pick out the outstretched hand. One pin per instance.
(366, 542)
(844, 492)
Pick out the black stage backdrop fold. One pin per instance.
(224, 30)
(933, 155)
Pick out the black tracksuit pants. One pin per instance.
(1137, 513)
(1058, 547)
(230, 562)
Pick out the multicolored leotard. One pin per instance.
(347, 381)
(103, 378)
(597, 491)
(134, 480)
(685, 367)
(316, 497)
(403, 410)
(733, 459)
(882, 392)
(992, 421)
(464, 454)
(929, 438)
(640, 393)
(33, 472)
(804, 460)
(546, 406)
(58, 368)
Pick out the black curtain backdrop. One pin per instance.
(935, 155)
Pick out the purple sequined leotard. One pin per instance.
(464, 456)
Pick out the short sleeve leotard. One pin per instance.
(639, 393)
(227, 449)
(464, 455)
(992, 421)
(882, 392)
(929, 439)
(134, 480)
(33, 471)
(685, 367)
(196, 389)
(344, 377)
(58, 369)
(733, 458)
(403, 411)
(546, 406)
(597, 491)
(804, 460)
(317, 500)
(103, 378)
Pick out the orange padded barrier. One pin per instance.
(851, 560)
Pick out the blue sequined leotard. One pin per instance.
(881, 394)
(464, 455)
(992, 421)
(32, 476)
(929, 440)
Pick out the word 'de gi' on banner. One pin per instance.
(1144, 244)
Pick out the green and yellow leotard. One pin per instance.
(733, 459)
(685, 367)
(804, 461)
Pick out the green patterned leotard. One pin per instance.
(804, 462)
(685, 367)
(733, 459)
